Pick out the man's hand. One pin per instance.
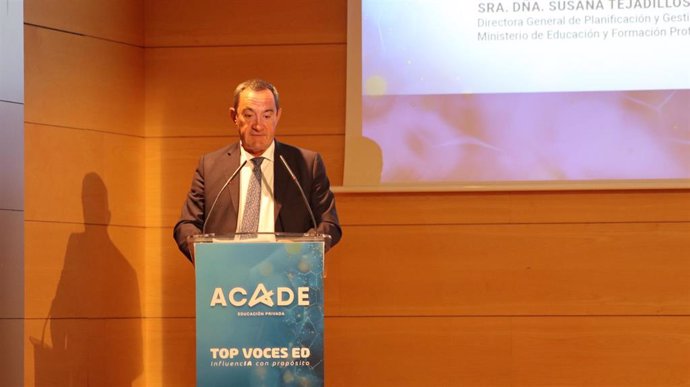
(190, 247)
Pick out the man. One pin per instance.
(229, 180)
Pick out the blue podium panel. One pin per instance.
(259, 314)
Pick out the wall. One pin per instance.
(84, 218)
(510, 288)
(11, 193)
(191, 73)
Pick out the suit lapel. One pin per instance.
(281, 180)
(234, 186)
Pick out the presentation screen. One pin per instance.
(454, 95)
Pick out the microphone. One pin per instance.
(304, 197)
(234, 174)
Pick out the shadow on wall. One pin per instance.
(95, 318)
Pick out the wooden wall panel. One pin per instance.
(84, 256)
(418, 352)
(508, 351)
(482, 351)
(85, 352)
(498, 277)
(172, 161)
(169, 277)
(189, 90)
(70, 170)
(435, 208)
(568, 269)
(77, 271)
(240, 23)
(171, 348)
(81, 82)
(474, 270)
(116, 20)
(602, 351)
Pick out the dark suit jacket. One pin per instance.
(291, 214)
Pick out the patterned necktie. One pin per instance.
(252, 205)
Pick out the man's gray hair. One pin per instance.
(255, 85)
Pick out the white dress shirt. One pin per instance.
(267, 209)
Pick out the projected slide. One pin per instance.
(473, 92)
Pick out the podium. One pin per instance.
(259, 309)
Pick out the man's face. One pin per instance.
(256, 119)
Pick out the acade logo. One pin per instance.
(282, 296)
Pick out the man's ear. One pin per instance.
(233, 115)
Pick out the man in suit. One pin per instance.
(247, 184)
